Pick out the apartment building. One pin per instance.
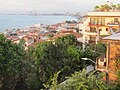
(98, 24)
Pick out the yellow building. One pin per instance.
(99, 24)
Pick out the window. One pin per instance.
(115, 19)
(106, 29)
(97, 21)
(80, 29)
(101, 62)
(92, 29)
(92, 21)
(100, 29)
(103, 21)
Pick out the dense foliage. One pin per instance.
(61, 55)
(94, 51)
(11, 56)
(33, 69)
(82, 81)
(64, 54)
(13, 68)
(106, 7)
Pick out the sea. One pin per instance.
(21, 21)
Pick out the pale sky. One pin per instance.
(50, 6)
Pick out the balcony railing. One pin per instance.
(91, 33)
(94, 31)
(91, 30)
(94, 24)
(113, 24)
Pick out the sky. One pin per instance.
(51, 6)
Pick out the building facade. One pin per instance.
(110, 63)
(99, 24)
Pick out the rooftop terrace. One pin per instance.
(111, 13)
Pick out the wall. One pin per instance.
(112, 55)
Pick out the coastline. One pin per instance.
(21, 21)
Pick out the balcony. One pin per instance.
(101, 63)
(97, 25)
(91, 33)
(91, 24)
(113, 24)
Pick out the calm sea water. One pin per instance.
(21, 21)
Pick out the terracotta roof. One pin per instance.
(29, 37)
(72, 24)
(52, 28)
(13, 38)
(60, 34)
(67, 30)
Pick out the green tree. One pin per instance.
(13, 69)
(118, 6)
(105, 7)
(97, 8)
(63, 55)
(94, 51)
(54, 82)
(82, 81)
(114, 7)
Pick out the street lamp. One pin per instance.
(90, 67)
(88, 59)
(106, 71)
